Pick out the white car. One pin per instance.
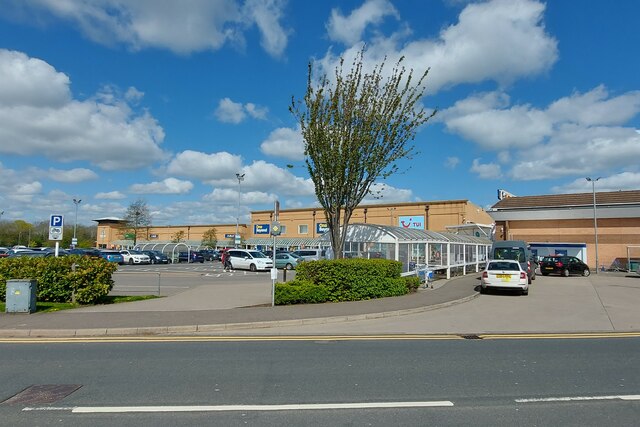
(135, 257)
(249, 260)
(504, 274)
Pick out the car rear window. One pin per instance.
(503, 265)
(516, 254)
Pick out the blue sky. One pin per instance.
(110, 101)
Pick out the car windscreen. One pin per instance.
(257, 254)
(516, 254)
(503, 266)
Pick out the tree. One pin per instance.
(210, 237)
(178, 237)
(137, 217)
(355, 129)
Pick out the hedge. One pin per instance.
(345, 280)
(59, 278)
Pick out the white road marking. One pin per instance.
(290, 407)
(579, 398)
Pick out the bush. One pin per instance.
(300, 292)
(60, 278)
(355, 279)
(412, 283)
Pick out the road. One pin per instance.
(567, 382)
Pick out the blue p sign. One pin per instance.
(55, 221)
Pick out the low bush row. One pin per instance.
(345, 280)
(61, 279)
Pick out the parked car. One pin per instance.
(287, 261)
(157, 257)
(112, 256)
(311, 254)
(26, 253)
(564, 265)
(90, 252)
(210, 254)
(135, 257)
(193, 256)
(4, 252)
(249, 260)
(504, 274)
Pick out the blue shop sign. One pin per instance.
(322, 227)
(261, 228)
(414, 221)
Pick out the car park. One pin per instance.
(192, 256)
(157, 257)
(287, 261)
(504, 274)
(564, 265)
(249, 260)
(112, 256)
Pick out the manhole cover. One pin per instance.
(471, 337)
(46, 393)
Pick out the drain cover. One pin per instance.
(46, 393)
(471, 337)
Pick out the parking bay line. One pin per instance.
(578, 398)
(287, 407)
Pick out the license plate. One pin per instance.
(504, 277)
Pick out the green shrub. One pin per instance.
(60, 278)
(355, 279)
(412, 283)
(299, 292)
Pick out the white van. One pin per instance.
(311, 254)
(249, 260)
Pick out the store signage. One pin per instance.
(411, 222)
(322, 227)
(230, 236)
(261, 228)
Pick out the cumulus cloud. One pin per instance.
(349, 29)
(451, 162)
(182, 27)
(229, 111)
(111, 195)
(380, 192)
(103, 130)
(267, 177)
(205, 167)
(71, 175)
(486, 170)
(497, 40)
(284, 142)
(617, 182)
(166, 186)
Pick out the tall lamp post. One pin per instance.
(75, 225)
(236, 239)
(595, 215)
(1, 213)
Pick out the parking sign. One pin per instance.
(56, 223)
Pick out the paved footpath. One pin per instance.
(600, 303)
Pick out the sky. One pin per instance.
(112, 101)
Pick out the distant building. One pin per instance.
(568, 218)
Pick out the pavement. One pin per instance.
(601, 303)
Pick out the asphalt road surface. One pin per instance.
(322, 381)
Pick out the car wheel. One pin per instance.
(288, 266)
(525, 292)
(252, 267)
(130, 261)
(545, 274)
(565, 272)
(586, 272)
(202, 262)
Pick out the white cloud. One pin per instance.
(102, 130)
(182, 27)
(617, 182)
(71, 175)
(267, 177)
(452, 162)
(486, 170)
(206, 167)
(284, 142)
(111, 195)
(229, 111)
(166, 186)
(380, 192)
(230, 196)
(498, 40)
(349, 29)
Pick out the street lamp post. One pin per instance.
(595, 215)
(236, 239)
(75, 225)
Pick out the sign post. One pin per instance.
(275, 231)
(56, 229)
